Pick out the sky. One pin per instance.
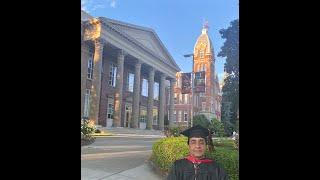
(178, 23)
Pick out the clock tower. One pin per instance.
(208, 102)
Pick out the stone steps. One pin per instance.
(121, 130)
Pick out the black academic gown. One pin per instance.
(184, 170)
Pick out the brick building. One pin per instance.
(208, 102)
(125, 71)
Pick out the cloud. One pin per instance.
(113, 4)
(96, 6)
(92, 5)
(84, 5)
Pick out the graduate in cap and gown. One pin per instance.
(196, 166)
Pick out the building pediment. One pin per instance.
(145, 37)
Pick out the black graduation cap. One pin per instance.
(196, 131)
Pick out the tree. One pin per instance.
(166, 120)
(230, 90)
(201, 120)
(217, 127)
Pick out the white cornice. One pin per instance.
(117, 39)
(105, 23)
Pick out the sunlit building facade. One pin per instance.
(207, 102)
(125, 71)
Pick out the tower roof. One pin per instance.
(204, 41)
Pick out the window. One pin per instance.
(175, 98)
(180, 116)
(86, 103)
(174, 116)
(143, 115)
(185, 117)
(90, 67)
(202, 67)
(130, 82)
(203, 106)
(156, 91)
(199, 78)
(180, 98)
(155, 116)
(144, 91)
(201, 54)
(112, 75)
(186, 98)
(110, 111)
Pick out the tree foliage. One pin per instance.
(230, 90)
(201, 120)
(217, 127)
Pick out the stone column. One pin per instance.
(162, 101)
(150, 99)
(96, 80)
(171, 100)
(118, 93)
(136, 96)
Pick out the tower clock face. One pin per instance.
(201, 46)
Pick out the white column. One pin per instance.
(162, 102)
(150, 99)
(96, 82)
(136, 96)
(171, 107)
(119, 87)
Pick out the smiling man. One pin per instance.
(196, 166)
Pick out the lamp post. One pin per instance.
(192, 84)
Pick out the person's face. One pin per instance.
(197, 146)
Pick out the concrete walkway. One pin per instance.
(143, 172)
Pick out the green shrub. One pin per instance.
(165, 151)
(228, 159)
(224, 142)
(87, 128)
(174, 131)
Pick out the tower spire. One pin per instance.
(205, 27)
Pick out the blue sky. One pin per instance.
(178, 23)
